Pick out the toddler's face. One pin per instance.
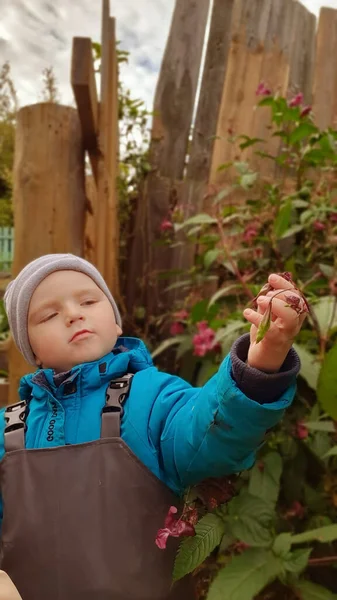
(70, 321)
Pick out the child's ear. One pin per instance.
(119, 331)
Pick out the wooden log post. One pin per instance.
(173, 110)
(325, 76)
(49, 195)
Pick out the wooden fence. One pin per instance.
(278, 42)
(6, 248)
(247, 41)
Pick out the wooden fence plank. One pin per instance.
(325, 76)
(173, 110)
(249, 30)
(84, 87)
(198, 168)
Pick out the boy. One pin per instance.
(102, 443)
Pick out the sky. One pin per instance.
(37, 34)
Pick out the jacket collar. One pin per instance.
(129, 355)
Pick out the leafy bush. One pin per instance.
(278, 530)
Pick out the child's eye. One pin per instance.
(49, 317)
(88, 302)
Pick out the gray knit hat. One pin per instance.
(20, 290)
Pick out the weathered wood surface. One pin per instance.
(200, 156)
(173, 111)
(271, 42)
(107, 218)
(48, 196)
(84, 87)
(325, 76)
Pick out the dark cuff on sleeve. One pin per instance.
(257, 385)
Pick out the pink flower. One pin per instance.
(166, 225)
(173, 527)
(296, 510)
(262, 90)
(319, 226)
(306, 111)
(181, 315)
(176, 328)
(250, 233)
(301, 431)
(296, 100)
(203, 341)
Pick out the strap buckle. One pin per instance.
(114, 399)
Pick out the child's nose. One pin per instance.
(72, 316)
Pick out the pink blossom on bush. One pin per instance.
(262, 90)
(319, 226)
(177, 328)
(306, 111)
(181, 315)
(203, 341)
(301, 431)
(250, 233)
(173, 527)
(296, 510)
(166, 225)
(296, 100)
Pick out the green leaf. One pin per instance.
(245, 576)
(194, 550)
(265, 483)
(222, 194)
(268, 101)
(247, 180)
(327, 383)
(310, 368)
(250, 519)
(282, 221)
(312, 591)
(211, 256)
(296, 561)
(322, 534)
(168, 343)
(282, 544)
(332, 452)
(222, 292)
(327, 270)
(326, 314)
(200, 219)
(301, 132)
(327, 426)
(228, 334)
(292, 231)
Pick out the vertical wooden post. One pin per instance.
(48, 197)
(107, 219)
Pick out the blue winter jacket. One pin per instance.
(181, 433)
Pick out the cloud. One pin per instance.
(39, 34)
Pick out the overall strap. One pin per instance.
(14, 435)
(113, 410)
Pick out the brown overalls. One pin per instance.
(80, 521)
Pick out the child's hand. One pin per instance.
(285, 323)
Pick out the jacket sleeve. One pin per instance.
(211, 431)
(2, 452)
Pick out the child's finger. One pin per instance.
(279, 282)
(252, 316)
(281, 310)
